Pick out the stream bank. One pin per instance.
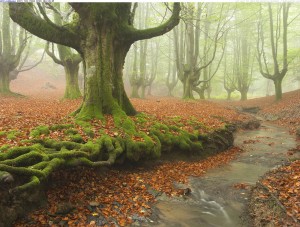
(220, 197)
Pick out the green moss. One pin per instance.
(4, 147)
(49, 143)
(84, 124)
(89, 132)
(61, 126)
(39, 131)
(15, 152)
(2, 133)
(34, 181)
(71, 131)
(91, 147)
(77, 138)
(27, 159)
(88, 112)
(12, 135)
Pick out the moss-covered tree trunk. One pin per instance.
(104, 58)
(102, 33)
(72, 90)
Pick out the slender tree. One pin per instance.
(67, 58)
(172, 78)
(10, 51)
(150, 77)
(243, 60)
(102, 33)
(135, 79)
(275, 68)
(191, 67)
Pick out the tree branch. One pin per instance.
(52, 55)
(25, 16)
(134, 34)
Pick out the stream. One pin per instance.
(214, 201)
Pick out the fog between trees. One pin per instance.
(218, 50)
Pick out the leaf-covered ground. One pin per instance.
(20, 115)
(121, 195)
(285, 113)
(277, 197)
(116, 196)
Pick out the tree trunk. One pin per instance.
(201, 93)
(278, 89)
(150, 90)
(104, 88)
(135, 91)
(4, 81)
(228, 95)
(244, 95)
(187, 91)
(143, 90)
(72, 87)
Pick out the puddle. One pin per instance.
(214, 201)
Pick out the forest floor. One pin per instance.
(76, 197)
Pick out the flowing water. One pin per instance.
(214, 201)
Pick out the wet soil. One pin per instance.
(220, 197)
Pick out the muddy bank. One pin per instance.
(220, 198)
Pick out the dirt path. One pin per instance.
(220, 197)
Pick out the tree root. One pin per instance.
(38, 162)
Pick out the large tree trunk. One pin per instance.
(102, 34)
(278, 89)
(104, 88)
(72, 90)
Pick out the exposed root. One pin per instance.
(38, 161)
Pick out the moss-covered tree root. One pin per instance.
(36, 162)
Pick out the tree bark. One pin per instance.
(244, 95)
(4, 80)
(278, 89)
(229, 95)
(72, 87)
